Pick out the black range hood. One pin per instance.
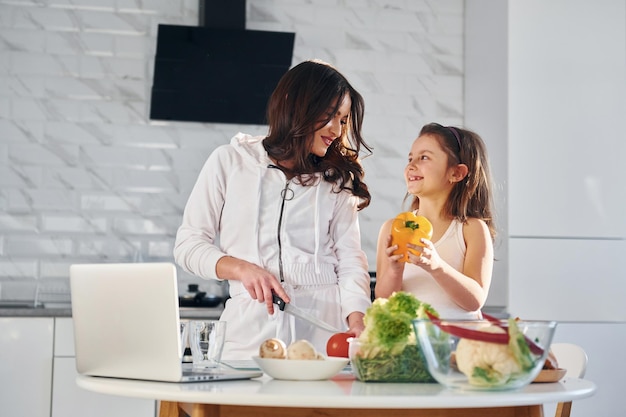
(218, 71)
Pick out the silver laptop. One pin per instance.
(127, 324)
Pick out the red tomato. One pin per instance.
(338, 345)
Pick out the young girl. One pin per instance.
(448, 176)
(278, 214)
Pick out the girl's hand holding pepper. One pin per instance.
(395, 259)
(429, 258)
(407, 231)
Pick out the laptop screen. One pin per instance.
(127, 324)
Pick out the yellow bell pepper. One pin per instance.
(409, 228)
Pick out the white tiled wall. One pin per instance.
(86, 176)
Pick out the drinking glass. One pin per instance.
(206, 339)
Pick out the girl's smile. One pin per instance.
(427, 167)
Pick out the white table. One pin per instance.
(341, 396)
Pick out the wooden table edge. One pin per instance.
(181, 409)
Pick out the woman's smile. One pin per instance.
(332, 129)
(328, 140)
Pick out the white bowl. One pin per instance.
(301, 370)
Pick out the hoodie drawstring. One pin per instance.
(316, 216)
(257, 221)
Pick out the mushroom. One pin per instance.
(273, 348)
(301, 349)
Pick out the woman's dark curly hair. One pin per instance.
(298, 106)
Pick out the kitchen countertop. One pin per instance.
(185, 312)
(35, 312)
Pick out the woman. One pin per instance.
(278, 214)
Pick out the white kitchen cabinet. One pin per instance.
(567, 91)
(25, 366)
(68, 400)
(567, 99)
(567, 279)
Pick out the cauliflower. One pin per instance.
(487, 364)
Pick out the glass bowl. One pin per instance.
(402, 363)
(455, 359)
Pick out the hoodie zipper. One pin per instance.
(286, 194)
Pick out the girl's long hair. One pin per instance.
(299, 105)
(472, 196)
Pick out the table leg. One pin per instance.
(169, 409)
(213, 410)
(174, 409)
(564, 409)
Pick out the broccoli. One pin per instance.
(388, 346)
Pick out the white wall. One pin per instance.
(486, 112)
(86, 176)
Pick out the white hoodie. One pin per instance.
(235, 209)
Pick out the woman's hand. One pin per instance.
(355, 323)
(259, 283)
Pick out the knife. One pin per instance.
(297, 312)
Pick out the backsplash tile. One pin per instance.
(85, 176)
(18, 223)
(38, 246)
